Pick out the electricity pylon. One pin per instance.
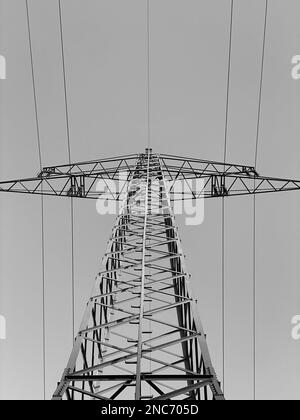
(141, 336)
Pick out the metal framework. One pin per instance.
(141, 336)
(80, 179)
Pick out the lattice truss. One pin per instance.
(91, 179)
(141, 336)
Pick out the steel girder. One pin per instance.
(141, 336)
(81, 179)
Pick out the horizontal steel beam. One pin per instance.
(144, 377)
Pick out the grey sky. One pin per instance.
(106, 64)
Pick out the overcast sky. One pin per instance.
(106, 68)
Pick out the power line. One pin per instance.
(148, 72)
(69, 155)
(42, 200)
(254, 197)
(223, 291)
(64, 79)
(228, 79)
(223, 200)
(261, 83)
(34, 87)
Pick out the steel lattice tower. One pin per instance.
(141, 336)
(142, 310)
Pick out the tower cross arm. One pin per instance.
(79, 180)
(191, 178)
(187, 178)
(229, 185)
